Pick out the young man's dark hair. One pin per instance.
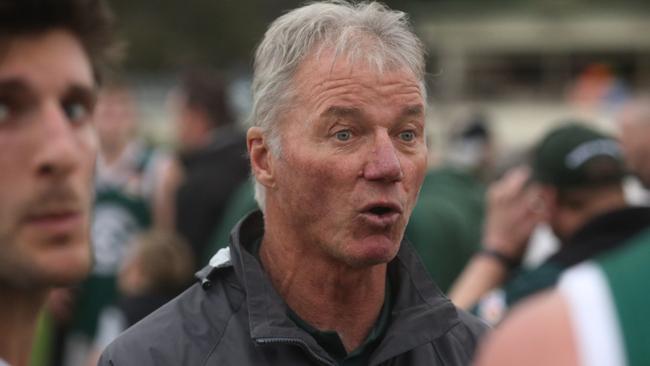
(90, 21)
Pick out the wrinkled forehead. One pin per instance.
(328, 64)
(365, 52)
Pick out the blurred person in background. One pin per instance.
(634, 129)
(598, 313)
(598, 89)
(445, 227)
(576, 187)
(51, 56)
(322, 275)
(129, 198)
(240, 203)
(157, 268)
(212, 152)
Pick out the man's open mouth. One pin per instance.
(381, 210)
(381, 214)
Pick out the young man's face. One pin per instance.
(47, 154)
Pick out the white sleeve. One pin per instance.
(155, 170)
(593, 316)
(110, 324)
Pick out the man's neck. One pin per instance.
(19, 313)
(327, 294)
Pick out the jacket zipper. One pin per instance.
(298, 342)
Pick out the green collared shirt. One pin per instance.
(332, 344)
(330, 340)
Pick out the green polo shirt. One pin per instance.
(332, 344)
(330, 340)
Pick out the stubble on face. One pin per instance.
(48, 158)
(55, 256)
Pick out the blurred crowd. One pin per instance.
(156, 213)
(161, 212)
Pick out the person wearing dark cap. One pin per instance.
(597, 315)
(575, 185)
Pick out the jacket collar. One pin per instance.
(421, 313)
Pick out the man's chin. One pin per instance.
(67, 279)
(66, 267)
(373, 251)
(63, 277)
(45, 277)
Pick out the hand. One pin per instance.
(513, 211)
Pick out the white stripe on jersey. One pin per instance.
(593, 316)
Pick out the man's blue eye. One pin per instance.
(4, 112)
(75, 111)
(343, 135)
(407, 135)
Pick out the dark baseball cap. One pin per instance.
(576, 156)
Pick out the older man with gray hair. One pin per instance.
(323, 276)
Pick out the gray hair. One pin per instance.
(368, 31)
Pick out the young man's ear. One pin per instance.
(260, 157)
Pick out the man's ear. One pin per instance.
(260, 157)
(549, 197)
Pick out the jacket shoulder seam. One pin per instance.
(223, 333)
(453, 334)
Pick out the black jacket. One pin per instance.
(212, 174)
(235, 317)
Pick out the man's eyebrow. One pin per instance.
(85, 93)
(339, 111)
(415, 110)
(14, 85)
(19, 86)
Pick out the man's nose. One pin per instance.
(57, 148)
(383, 163)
